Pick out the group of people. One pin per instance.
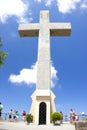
(73, 116)
(13, 115)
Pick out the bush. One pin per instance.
(56, 116)
(29, 118)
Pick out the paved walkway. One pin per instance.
(24, 126)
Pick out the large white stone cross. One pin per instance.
(44, 30)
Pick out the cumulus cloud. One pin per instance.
(54, 77)
(28, 76)
(17, 8)
(84, 4)
(48, 2)
(65, 6)
(20, 8)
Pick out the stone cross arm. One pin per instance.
(56, 29)
(26, 30)
(60, 29)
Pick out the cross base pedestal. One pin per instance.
(42, 106)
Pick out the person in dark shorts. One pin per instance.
(72, 116)
(14, 115)
(10, 115)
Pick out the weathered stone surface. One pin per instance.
(81, 126)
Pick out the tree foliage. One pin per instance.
(29, 118)
(56, 116)
(3, 54)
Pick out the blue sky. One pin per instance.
(68, 54)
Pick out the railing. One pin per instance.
(66, 118)
(83, 117)
(5, 116)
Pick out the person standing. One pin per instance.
(24, 115)
(10, 115)
(17, 116)
(1, 108)
(14, 115)
(72, 116)
(61, 121)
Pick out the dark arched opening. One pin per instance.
(42, 113)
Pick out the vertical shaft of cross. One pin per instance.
(44, 67)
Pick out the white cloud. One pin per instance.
(54, 77)
(28, 76)
(20, 9)
(48, 2)
(67, 6)
(84, 4)
(16, 8)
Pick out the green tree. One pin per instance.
(56, 116)
(29, 118)
(3, 54)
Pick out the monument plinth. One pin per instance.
(43, 98)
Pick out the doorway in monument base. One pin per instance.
(42, 113)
